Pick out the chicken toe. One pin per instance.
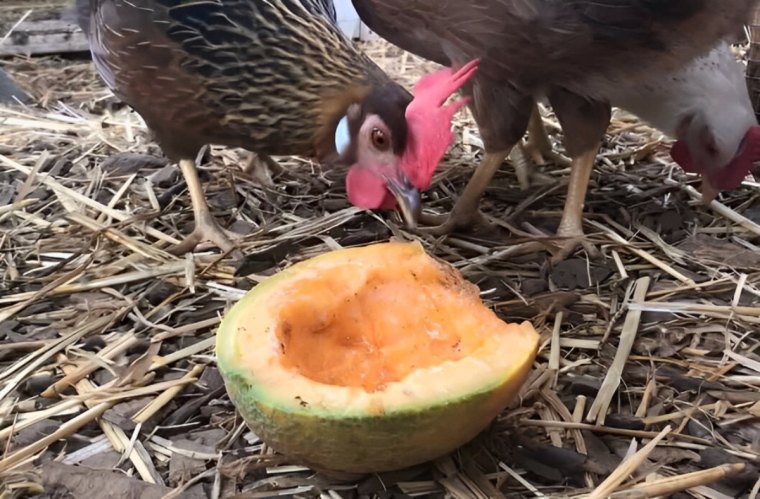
(260, 168)
(575, 238)
(537, 150)
(538, 147)
(206, 228)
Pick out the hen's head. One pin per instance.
(723, 157)
(393, 145)
(718, 135)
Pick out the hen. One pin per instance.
(583, 55)
(275, 78)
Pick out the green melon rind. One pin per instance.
(357, 442)
(371, 443)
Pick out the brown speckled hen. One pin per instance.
(660, 59)
(276, 78)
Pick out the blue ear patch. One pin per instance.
(342, 137)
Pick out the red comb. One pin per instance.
(429, 121)
(729, 176)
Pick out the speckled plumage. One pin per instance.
(274, 77)
(268, 76)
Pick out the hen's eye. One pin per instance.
(379, 139)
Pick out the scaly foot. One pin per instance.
(208, 230)
(542, 155)
(537, 150)
(575, 237)
(525, 167)
(260, 168)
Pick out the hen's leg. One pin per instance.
(206, 228)
(538, 146)
(501, 130)
(465, 212)
(571, 224)
(537, 150)
(260, 168)
(584, 123)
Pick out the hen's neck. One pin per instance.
(712, 86)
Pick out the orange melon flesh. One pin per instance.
(397, 322)
(370, 359)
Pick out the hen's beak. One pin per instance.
(709, 192)
(408, 198)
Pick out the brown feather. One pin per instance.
(527, 47)
(271, 77)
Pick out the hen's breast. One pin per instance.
(244, 73)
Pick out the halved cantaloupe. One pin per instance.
(370, 359)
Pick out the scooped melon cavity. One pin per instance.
(397, 322)
(329, 358)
